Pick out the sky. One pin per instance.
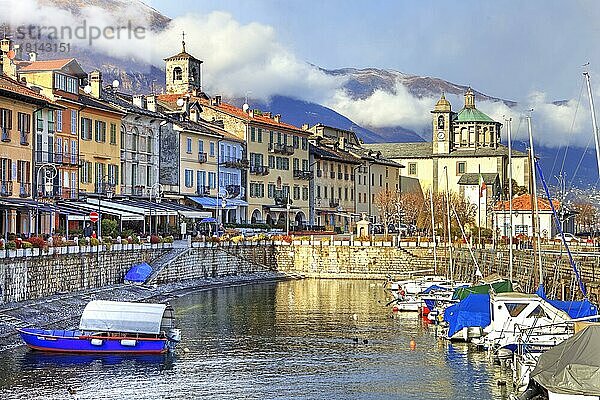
(526, 51)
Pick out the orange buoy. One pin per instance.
(395, 309)
(413, 344)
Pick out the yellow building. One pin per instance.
(24, 116)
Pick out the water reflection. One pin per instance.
(301, 339)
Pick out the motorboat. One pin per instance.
(112, 327)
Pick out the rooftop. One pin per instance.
(12, 86)
(472, 115)
(523, 203)
(425, 150)
(473, 178)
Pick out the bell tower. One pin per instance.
(183, 72)
(442, 121)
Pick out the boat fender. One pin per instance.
(96, 342)
(413, 344)
(128, 342)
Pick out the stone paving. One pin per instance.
(63, 310)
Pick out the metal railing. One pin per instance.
(203, 190)
(202, 157)
(5, 134)
(233, 162)
(25, 189)
(281, 148)
(259, 169)
(24, 138)
(233, 190)
(6, 188)
(301, 174)
(334, 203)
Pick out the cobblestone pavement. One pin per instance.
(62, 311)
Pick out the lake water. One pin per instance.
(272, 341)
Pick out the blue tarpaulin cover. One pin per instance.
(474, 310)
(435, 288)
(138, 273)
(575, 309)
(208, 220)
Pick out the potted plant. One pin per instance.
(11, 247)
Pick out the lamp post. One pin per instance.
(50, 173)
(157, 190)
(105, 188)
(287, 216)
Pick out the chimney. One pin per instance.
(305, 127)
(251, 113)
(341, 144)
(138, 101)
(96, 83)
(151, 102)
(277, 118)
(6, 60)
(194, 114)
(216, 101)
(469, 99)
(33, 56)
(267, 114)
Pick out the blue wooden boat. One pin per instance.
(112, 327)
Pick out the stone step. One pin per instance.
(10, 320)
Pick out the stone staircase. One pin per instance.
(164, 261)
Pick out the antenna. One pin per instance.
(246, 107)
(115, 84)
(87, 89)
(180, 102)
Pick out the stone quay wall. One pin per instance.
(218, 261)
(28, 278)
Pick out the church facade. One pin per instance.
(465, 152)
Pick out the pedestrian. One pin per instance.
(183, 229)
(87, 230)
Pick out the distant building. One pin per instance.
(465, 145)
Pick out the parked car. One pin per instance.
(377, 228)
(568, 237)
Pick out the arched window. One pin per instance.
(194, 75)
(177, 74)
(441, 122)
(135, 139)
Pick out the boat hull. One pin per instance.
(77, 342)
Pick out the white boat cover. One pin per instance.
(114, 316)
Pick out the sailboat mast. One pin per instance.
(449, 233)
(510, 197)
(433, 231)
(594, 124)
(536, 215)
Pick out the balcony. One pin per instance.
(346, 176)
(232, 162)
(46, 157)
(332, 174)
(282, 198)
(202, 157)
(334, 203)
(203, 190)
(5, 134)
(233, 190)
(301, 174)
(6, 188)
(340, 176)
(259, 169)
(281, 148)
(24, 189)
(48, 191)
(24, 136)
(138, 190)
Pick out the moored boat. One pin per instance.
(112, 327)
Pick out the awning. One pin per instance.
(142, 207)
(114, 316)
(39, 206)
(211, 202)
(124, 215)
(282, 209)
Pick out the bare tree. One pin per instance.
(387, 202)
(411, 203)
(586, 217)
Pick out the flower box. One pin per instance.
(345, 243)
(73, 249)
(296, 242)
(35, 252)
(305, 243)
(20, 252)
(337, 242)
(12, 253)
(2, 253)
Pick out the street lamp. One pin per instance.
(50, 173)
(287, 216)
(107, 189)
(157, 190)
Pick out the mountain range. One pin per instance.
(139, 77)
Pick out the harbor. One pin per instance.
(274, 340)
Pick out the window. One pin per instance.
(50, 122)
(86, 172)
(134, 175)
(212, 149)
(304, 192)
(305, 165)
(318, 192)
(460, 167)
(538, 312)
(271, 190)
(113, 133)
(212, 179)
(304, 143)
(201, 179)
(272, 162)
(177, 74)
(515, 309)
(324, 192)
(412, 168)
(296, 141)
(86, 128)
(100, 131)
(296, 163)
(257, 189)
(380, 180)
(259, 135)
(189, 145)
(5, 123)
(200, 146)
(253, 134)
(59, 117)
(346, 194)
(135, 140)
(189, 178)
(296, 192)
(73, 122)
(149, 142)
(285, 164)
(39, 118)
(113, 174)
(23, 125)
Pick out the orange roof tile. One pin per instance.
(11, 85)
(46, 65)
(523, 203)
(232, 110)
